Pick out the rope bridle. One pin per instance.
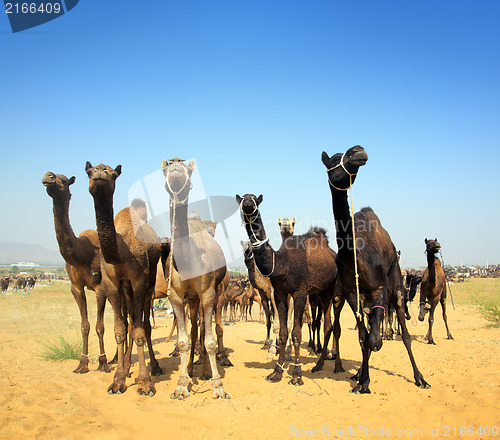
(247, 220)
(351, 175)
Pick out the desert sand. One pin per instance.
(46, 400)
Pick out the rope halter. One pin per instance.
(175, 194)
(341, 164)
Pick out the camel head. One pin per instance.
(342, 168)
(57, 185)
(432, 246)
(287, 226)
(178, 178)
(102, 179)
(249, 204)
(247, 250)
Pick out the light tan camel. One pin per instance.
(196, 267)
(130, 250)
(82, 256)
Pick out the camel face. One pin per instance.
(249, 203)
(247, 250)
(178, 177)
(102, 178)
(57, 185)
(342, 168)
(287, 226)
(432, 246)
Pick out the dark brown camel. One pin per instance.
(82, 255)
(197, 267)
(433, 288)
(304, 265)
(380, 280)
(130, 250)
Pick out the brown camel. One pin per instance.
(82, 255)
(433, 288)
(130, 250)
(380, 280)
(304, 265)
(196, 267)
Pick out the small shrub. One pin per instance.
(61, 348)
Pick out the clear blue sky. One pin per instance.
(255, 90)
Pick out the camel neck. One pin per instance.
(180, 223)
(343, 221)
(66, 238)
(431, 265)
(264, 254)
(106, 231)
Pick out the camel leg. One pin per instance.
(288, 349)
(430, 339)
(118, 385)
(298, 312)
(181, 391)
(267, 312)
(99, 328)
(419, 379)
(194, 304)
(445, 318)
(282, 306)
(208, 299)
(142, 298)
(221, 352)
(276, 327)
(336, 333)
(79, 295)
(153, 362)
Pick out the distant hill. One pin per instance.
(12, 253)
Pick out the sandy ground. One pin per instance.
(46, 400)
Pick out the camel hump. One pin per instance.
(317, 230)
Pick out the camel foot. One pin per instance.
(356, 376)
(431, 342)
(206, 375)
(180, 393)
(274, 377)
(156, 370)
(117, 387)
(225, 362)
(82, 367)
(339, 369)
(421, 383)
(146, 389)
(266, 346)
(175, 353)
(297, 381)
(450, 337)
(219, 392)
(361, 389)
(103, 364)
(332, 356)
(318, 366)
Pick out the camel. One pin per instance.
(5, 283)
(131, 250)
(380, 280)
(263, 285)
(304, 265)
(196, 268)
(433, 289)
(82, 256)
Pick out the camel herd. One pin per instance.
(125, 263)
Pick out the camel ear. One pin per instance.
(88, 165)
(259, 199)
(118, 170)
(279, 221)
(435, 239)
(294, 220)
(191, 167)
(238, 198)
(425, 239)
(71, 180)
(164, 164)
(325, 159)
